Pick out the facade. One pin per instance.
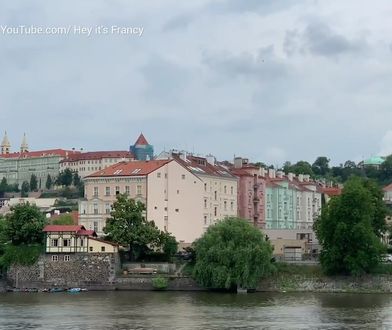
(251, 191)
(219, 185)
(87, 163)
(172, 195)
(388, 194)
(142, 149)
(18, 167)
(75, 239)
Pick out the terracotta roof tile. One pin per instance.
(141, 140)
(40, 153)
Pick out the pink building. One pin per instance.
(251, 191)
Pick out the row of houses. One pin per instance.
(184, 194)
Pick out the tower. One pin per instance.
(24, 147)
(141, 149)
(5, 145)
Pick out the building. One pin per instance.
(68, 239)
(388, 194)
(375, 161)
(219, 185)
(171, 192)
(251, 191)
(86, 163)
(141, 149)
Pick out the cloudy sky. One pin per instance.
(271, 80)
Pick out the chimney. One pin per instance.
(211, 159)
(290, 176)
(300, 177)
(279, 174)
(238, 162)
(271, 173)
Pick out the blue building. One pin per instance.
(141, 149)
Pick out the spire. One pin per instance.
(141, 140)
(24, 147)
(5, 144)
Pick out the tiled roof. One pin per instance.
(200, 166)
(331, 191)
(141, 140)
(98, 155)
(40, 153)
(132, 168)
(388, 187)
(78, 230)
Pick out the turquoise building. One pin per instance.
(142, 150)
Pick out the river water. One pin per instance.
(194, 310)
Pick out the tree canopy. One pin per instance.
(128, 226)
(232, 254)
(349, 228)
(33, 182)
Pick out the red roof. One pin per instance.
(141, 140)
(40, 153)
(132, 168)
(78, 230)
(331, 191)
(388, 187)
(98, 155)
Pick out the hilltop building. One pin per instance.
(142, 150)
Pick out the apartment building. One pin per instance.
(87, 163)
(220, 187)
(171, 193)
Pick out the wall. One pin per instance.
(82, 270)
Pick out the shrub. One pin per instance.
(159, 283)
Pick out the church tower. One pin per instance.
(24, 147)
(142, 150)
(5, 145)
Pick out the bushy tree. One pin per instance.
(232, 254)
(321, 166)
(128, 226)
(49, 182)
(25, 189)
(65, 178)
(24, 225)
(348, 229)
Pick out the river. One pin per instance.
(194, 310)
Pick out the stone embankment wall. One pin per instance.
(92, 270)
(302, 283)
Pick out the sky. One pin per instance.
(270, 80)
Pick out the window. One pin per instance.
(95, 225)
(205, 203)
(183, 176)
(107, 191)
(66, 242)
(81, 242)
(205, 187)
(231, 190)
(107, 208)
(117, 190)
(165, 175)
(232, 206)
(127, 190)
(205, 220)
(177, 210)
(95, 191)
(66, 258)
(54, 242)
(158, 174)
(139, 190)
(95, 208)
(215, 195)
(215, 211)
(178, 191)
(55, 258)
(91, 249)
(225, 189)
(225, 205)
(102, 249)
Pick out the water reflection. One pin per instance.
(199, 310)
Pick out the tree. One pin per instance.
(302, 167)
(232, 254)
(25, 189)
(386, 170)
(65, 178)
(347, 230)
(76, 179)
(3, 185)
(24, 225)
(128, 226)
(321, 166)
(33, 182)
(49, 182)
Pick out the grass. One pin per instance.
(293, 269)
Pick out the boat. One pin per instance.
(56, 290)
(74, 290)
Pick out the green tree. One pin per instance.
(128, 226)
(65, 178)
(386, 170)
(76, 179)
(232, 254)
(25, 189)
(33, 182)
(347, 230)
(302, 167)
(321, 166)
(24, 225)
(49, 182)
